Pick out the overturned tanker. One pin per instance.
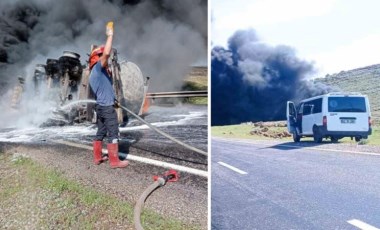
(66, 81)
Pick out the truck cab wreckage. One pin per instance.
(66, 81)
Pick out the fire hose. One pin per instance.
(169, 176)
(148, 124)
(162, 133)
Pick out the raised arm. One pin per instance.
(108, 45)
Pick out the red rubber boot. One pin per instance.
(113, 153)
(97, 149)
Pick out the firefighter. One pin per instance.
(101, 85)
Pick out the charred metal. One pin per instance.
(66, 80)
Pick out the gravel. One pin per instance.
(185, 200)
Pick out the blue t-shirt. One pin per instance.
(101, 85)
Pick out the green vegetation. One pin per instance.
(194, 83)
(243, 131)
(197, 100)
(238, 131)
(53, 202)
(197, 80)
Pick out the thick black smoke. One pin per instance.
(251, 81)
(162, 37)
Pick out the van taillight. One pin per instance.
(369, 122)
(324, 121)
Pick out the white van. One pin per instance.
(333, 115)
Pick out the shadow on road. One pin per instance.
(296, 145)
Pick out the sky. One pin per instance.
(335, 35)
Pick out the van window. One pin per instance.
(300, 109)
(312, 107)
(307, 107)
(347, 104)
(292, 110)
(317, 105)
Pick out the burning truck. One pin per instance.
(66, 81)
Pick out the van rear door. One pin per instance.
(347, 113)
(291, 116)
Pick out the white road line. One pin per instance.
(301, 147)
(361, 225)
(232, 168)
(143, 160)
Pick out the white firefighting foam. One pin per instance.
(75, 132)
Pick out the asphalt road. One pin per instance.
(273, 185)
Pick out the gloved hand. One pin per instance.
(109, 28)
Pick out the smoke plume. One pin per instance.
(163, 37)
(251, 81)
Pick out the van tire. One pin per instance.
(296, 137)
(357, 139)
(317, 135)
(334, 139)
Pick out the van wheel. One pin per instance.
(296, 137)
(317, 135)
(357, 139)
(334, 139)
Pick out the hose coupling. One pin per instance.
(169, 176)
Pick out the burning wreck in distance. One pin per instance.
(252, 81)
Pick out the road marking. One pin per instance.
(142, 159)
(361, 225)
(232, 168)
(300, 147)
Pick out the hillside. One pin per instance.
(365, 80)
(196, 79)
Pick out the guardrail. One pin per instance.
(179, 94)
